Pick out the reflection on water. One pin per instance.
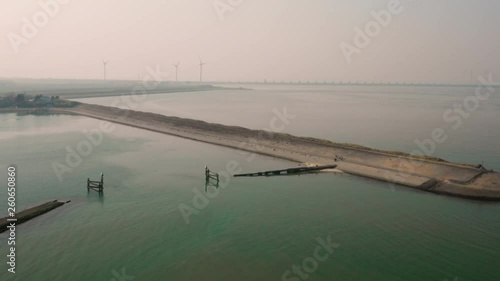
(13, 125)
(94, 196)
(209, 183)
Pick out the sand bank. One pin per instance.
(429, 174)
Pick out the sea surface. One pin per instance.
(157, 219)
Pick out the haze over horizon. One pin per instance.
(255, 40)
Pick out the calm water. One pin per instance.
(254, 228)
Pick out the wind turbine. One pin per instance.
(176, 70)
(105, 63)
(201, 69)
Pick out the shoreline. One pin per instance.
(107, 89)
(424, 173)
(154, 92)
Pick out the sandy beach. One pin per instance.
(424, 173)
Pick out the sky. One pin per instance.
(252, 40)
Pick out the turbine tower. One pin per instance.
(176, 70)
(201, 69)
(105, 63)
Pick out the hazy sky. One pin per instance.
(430, 40)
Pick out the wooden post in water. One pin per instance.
(211, 175)
(96, 185)
(101, 186)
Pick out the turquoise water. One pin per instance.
(252, 229)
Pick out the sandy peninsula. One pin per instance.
(424, 173)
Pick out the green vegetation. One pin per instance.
(38, 101)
